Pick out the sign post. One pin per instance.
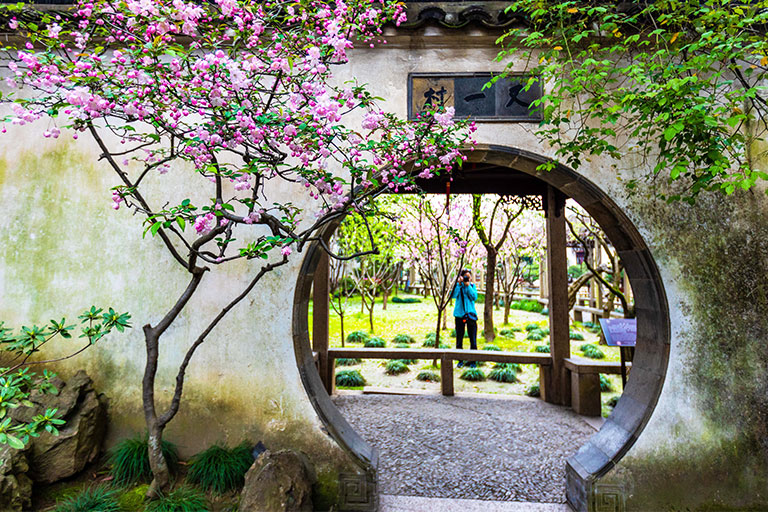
(622, 333)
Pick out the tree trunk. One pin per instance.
(507, 307)
(341, 319)
(384, 297)
(370, 313)
(437, 333)
(490, 279)
(161, 478)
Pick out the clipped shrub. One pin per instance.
(494, 348)
(532, 327)
(542, 349)
(91, 499)
(508, 333)
(220, 469)
(396, 367)
(472, 375)
(527, 305)
(536, 335)
(130, 460)
(533, 390)
(405, 300)
(349, 379)
(576, 336)
(613, 401)
(348, 362)
(605, 383)
(183, 499)
(504, 374)
(358, 337)
(427, 376)
(403, 339)
(592, 351)
(375, 342)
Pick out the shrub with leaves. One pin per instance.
(605, 383)
(542, 349)
(517, 367)
(375, 342)
(183, 499)
(17, 382)
(428, 376)
(503, 374)
(535, 335)
(508, 333)
(429, 339)
(592, 351)
(396, 367)
(472, 375)
(219, 469)
(576, 336)
(533, 390)
(358, 337)
(348, 362)
(532, 327)
(403, 339)
(129, 460)
(349, 379)
(91, 499)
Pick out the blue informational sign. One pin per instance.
(619, 332)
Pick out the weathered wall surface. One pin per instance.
(62, 248)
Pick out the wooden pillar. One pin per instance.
(543, 281)
(320, 319)
(446, 375)
(557, 277)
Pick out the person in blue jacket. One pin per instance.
(464, 312)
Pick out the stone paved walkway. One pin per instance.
(467, 447)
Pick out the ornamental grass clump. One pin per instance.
(183, 499)
(576, 336)
(605, 383)
(219, 469)
(396, 367)
(592, 351)
(129, 460)
(408, 361)
(532, 327)
(503, 374)
(533, 390)
(427, 376)
(375, 342)
(542, 349)
(613, 401)
(517, 367)
(349, 379)
(535, 335)
(358, 337)
(492, 348)
(348, 362)
(472, 375)
(508, 333)
(91, 499)
(402, 339)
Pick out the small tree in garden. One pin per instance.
(339, 289)
(18, 382)
(492, 219)
(239, 97)
(435, 234)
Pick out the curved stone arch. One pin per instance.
(636, 405)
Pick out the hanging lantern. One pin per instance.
(581, 254)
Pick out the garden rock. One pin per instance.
(278, 482)
(15, 485)
(53, 458)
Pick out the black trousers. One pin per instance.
(471, 332)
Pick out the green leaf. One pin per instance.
(14, 442)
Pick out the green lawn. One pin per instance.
(420, 319)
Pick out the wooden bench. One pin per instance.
(585, 383)
(446, 357)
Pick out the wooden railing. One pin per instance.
(446, 357)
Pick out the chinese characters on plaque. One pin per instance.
(506, 100)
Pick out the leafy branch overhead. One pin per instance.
(678, 85)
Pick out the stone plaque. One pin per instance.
(506, 100)
(619, 332)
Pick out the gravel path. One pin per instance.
(466, 447)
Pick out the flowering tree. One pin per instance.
(435, 236)
(238, 96)
(492, 219)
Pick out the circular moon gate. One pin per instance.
(635, 407)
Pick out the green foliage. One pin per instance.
(533, 327)
(17, 382)
(494, 348)
(575, 271)
(402, 345)
(219, 469)
(533, 390)
(358, 337)
(514, 366)
(536, 335)
(576, 336)
(453, 333)
(348, 362)
(427, 376)
(611, 402)
(542, 349)
(132, 500)
(544, 311)
(408, 361)
(349, 379)
(405, 300)
(92, 499)
(605, 383)
(183, 499)
(429, 341)
(527, 305)
(403, 338)
(592, 351)
(129, 460)
(472, 375)
(505, 374)
(396, 367)
(508, 333)
(684, 80)
(375, 342)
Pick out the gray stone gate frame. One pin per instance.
(620, 431)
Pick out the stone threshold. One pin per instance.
(390, 503)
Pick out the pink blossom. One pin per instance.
(445, 119)
(204, 223)
(286, 250)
